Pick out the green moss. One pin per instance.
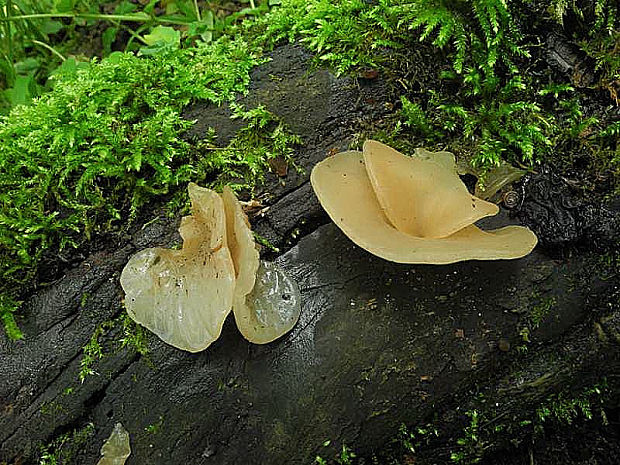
(62, 450)
(345, 457)
(566, 409)
(493, 109)
(245, 160)
(471, 444)
(541, 310)
(416, 439)
(127, 334)
(133, 335)
(93, 351)
(265, 242)
(343, 33)
(8, 308)
(85, 157)
(155, 428)
(484, 429)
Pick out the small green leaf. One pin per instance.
(161, 39)
(20, 93)
(107, 39)
(50, 26)
(65, 6)
(124, 7)
(27, 66)
(150, 7)
(203, 28)
(163, 34)
(69, 67)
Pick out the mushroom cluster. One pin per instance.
(185, 295)
(411, 209)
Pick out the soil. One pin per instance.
(378, 344)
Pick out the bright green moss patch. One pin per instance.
(8, 306)
(483, 101)
(101, 144)
(345, 34)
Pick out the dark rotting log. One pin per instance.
(378, 343)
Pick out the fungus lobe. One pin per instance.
(271, 309)
(184, 295)
(370, 196)
(266, 302)
(422, 195)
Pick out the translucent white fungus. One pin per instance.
(184, 295)
(241, 243)
(272, 308)
(266, 303)
(116, 449)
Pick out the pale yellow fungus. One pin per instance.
(184, 295)
(379, 209)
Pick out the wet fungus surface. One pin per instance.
(411, 209)
(116, 449)
(184, 296)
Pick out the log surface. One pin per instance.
(378, 344)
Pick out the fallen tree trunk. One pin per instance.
(378, 344)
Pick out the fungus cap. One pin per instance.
(422, 195)
(344, 188)
(184, 295)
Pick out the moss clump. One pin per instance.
(101, 144)
(64, 448)
(482, 100)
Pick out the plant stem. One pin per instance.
(9, 36)
(134, 18)
(133, 34)
(48, 47)
(197, 10)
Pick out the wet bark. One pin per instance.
(378, 344)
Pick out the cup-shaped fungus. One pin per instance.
(411, 209)
(185, 295)
(266, 300)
